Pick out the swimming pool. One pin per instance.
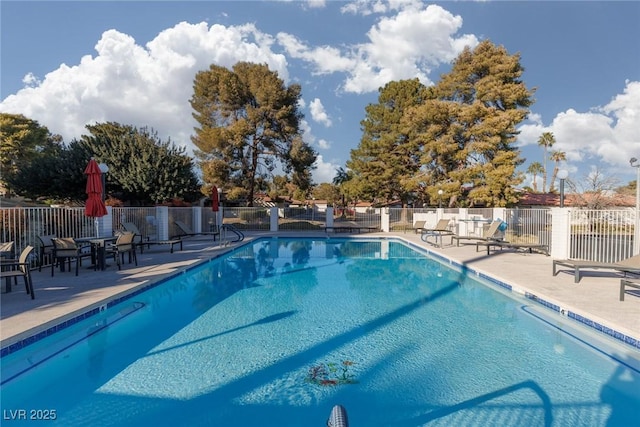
(280, 330)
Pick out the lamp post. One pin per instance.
(440, 193)
(636, 229)
(562, 174)
(104, 169)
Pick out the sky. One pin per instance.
(67, 64)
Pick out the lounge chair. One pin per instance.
(501, 244)
(627, 265)
(441, 229)
(419, 226)
(490, 235)
(141, 241)
(187, 232)
(14, 268)
(628, 283)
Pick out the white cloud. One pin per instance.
(404, 46)
(142, 86)
(318, 113)
(326, 59)
(324, 144)
(610, 134)
(324, 171)
(367, 7)
(316, 4)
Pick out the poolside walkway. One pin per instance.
(65, 295)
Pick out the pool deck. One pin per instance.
(66, 296)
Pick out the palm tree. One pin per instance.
(557, 156)
(546, 140)
(342, 176)
(534, 169)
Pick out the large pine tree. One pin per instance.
(248, 127)
(387, 157)
(468, 131)
(457, 136)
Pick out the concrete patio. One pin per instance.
(65, 296)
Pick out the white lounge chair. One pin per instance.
(441, 229)
(491, 234)
(627, 265)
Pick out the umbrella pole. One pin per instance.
(97, 228)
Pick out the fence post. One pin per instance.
(273, 213)
(464, 226)
(162, 215)
(106, 223)
(385, 220)
(329, 217)
(196, 218)
(560, 233)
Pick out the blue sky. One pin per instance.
(66, 64)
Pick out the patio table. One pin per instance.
(98, 252)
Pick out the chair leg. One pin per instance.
(29, 281)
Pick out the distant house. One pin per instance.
(585, 200)
(364, 207)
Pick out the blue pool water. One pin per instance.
(396, 337)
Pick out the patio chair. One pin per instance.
(6, 250)
(490, 234)
(45, 249)
(66, 248)
(186, 231)
(627, 265)
(123, 245)
(441, 229)
(418, 226)
(19, 268)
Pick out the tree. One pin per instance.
(387, 158)
(142, 168)
(546, 141)
(248, 126)
(466, 128)
(328, 192)
(342, 177)
(22, 140)
(557, 157)
(57, 174)
(594, 189)
(534, 169)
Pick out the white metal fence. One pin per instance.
(599, 235)
(602, 235)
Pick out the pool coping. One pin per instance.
(588, 320)
(30, 336)
(37, 333)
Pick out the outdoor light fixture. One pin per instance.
(562, 175)
(104, 169)
(440, 193)
(636, 229)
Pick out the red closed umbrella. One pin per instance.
(215, 199)
(94, 207)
